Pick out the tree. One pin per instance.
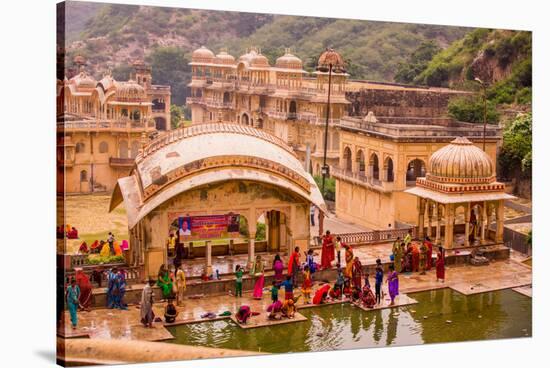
(169, 66)
(417, 62)
(470, 109)
(176, 114)
(515, 158)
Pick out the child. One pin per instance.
(238, 281)
(289, 287)
(379, 279)
(306, 286)
(274, 291)
(310, 262)
(339, 279)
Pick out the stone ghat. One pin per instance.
(227, 282)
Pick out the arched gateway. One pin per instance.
(215, 169)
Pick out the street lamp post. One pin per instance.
(329, 61)
(325, 167)
(484, 87)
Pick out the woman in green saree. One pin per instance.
(164, 282)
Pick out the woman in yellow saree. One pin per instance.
(105, 250)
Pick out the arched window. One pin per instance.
(158, 104)
(80, 147)
(134, 149)
(415, 169)
(83, 175)
(135, 115)
(103, 147)
(123, 149)
(347, 159)
(389, 169)
(124, 112)
(226, 97)
(375, 166)
(292, 109)
(244, 119)
(361, 162)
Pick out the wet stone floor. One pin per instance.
(464, 279)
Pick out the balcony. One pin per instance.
(361, 179)
(107, 125)
(121, 162)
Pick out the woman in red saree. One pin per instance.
(440, 265)
(83, 282)
(327, 252)
(321, 294)
(415, 257)
(356, 272)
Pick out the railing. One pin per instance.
(119, 161)
(370, 237)
(107, 124)
(360, 177)
(134, 275)
(197, 100)
(429, 129)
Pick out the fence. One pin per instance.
(374, 236)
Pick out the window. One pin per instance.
(124, 112)
(83, 175)
(135, 115)
(103, 147)
(80, 147)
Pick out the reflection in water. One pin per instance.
(440, 316)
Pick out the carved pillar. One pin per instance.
(482, 219)
(467, 225)
(437, 225)
(251, 250)
(208, 268)
(421, 210)
(449, 225)
(430, 218)
(321, 222)
(499, 235)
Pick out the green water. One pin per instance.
(494, 315)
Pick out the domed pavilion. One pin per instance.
(216, 169)
(461, 182)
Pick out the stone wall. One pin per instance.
(395, 102)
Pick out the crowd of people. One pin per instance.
(412, 255)
(352, 281)
(105, 248)
(79, 291)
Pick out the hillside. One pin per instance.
(112, 35)
(500, 58)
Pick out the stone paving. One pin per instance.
(526, 290)
(467, 279)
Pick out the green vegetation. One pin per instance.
(260, 231)
(330, 187)
(417, 62)
(97, 259)
(516, 155)
(176, 115)
(470, 109)
(170, 66)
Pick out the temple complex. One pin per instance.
(216, 169)
(380, 135)
(101, 123)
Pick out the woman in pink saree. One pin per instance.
(278, 267)
(258, 272)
